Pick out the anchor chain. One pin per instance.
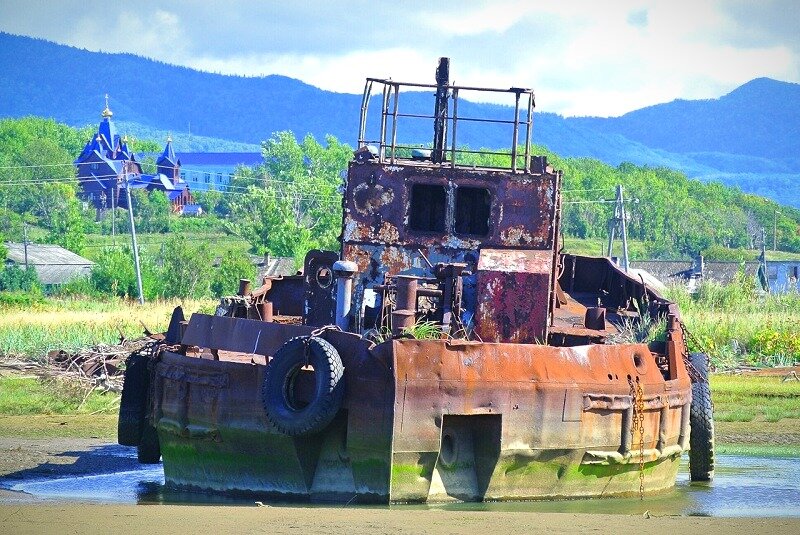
(693, 373)
(637, 425)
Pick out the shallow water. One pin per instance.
(743, 486)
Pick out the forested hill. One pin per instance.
(760, 118)
(749, 138)
(290, 203)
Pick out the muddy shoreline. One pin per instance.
(85, 518)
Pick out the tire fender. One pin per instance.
(701, 420)
(277, 389)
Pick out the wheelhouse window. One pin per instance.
(428, 207)
(472, 211)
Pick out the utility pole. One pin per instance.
(763, 259)
(619, 220)
(775, 231)
(133, 241)
(114, 212)
(25, 242)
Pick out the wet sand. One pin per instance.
(82, 518)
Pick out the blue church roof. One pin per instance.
(168, 156)
(121, 150)
(108, 134)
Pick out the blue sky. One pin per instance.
(582, 57)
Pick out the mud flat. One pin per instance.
(82, 518)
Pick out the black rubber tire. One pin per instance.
(699, 362)
(701, 420)
(149, 449)
(328, 386)
(133, 404)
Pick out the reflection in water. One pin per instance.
(743, 486)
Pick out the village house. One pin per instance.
(54, 265)
(782, 276)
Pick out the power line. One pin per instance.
(585, 190)
(307, 196)
(70, 179)
(602, 201)
(599, 201)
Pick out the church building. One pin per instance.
(106, 166)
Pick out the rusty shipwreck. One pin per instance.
(448, 351)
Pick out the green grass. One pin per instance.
(735, 325)
(60, 426)
(596, 247)
(748, 398)
(757, 450)
(29, 395)
(778, 255)
(638, 250)
(424, 330)
(74, 324)
(151, 244)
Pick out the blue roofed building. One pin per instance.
(205, 171)
(106, 166)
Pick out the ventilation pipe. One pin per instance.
(345, 271)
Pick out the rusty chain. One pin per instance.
(695, 375)
(637, 424)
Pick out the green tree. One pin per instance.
(39, 178)
(211, 201)
(186, 268)
(232, 267)
(66, 223)
(151, 210)
(292, 202)
(114, 274)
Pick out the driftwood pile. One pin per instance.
(100, 367)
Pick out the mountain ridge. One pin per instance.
(749, 137)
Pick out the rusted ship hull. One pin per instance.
(427, 421)
(530, 382)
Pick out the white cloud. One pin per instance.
(157, 34)
(497, 17)
(582, 56)
(342, 73)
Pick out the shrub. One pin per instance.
(16, 279)
(232, 267)
(20, 299)
(186, 269)
(115, 274)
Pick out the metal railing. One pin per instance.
(388, 146)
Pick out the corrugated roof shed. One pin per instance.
(53, 263)
(676, 271)
(271, 266)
